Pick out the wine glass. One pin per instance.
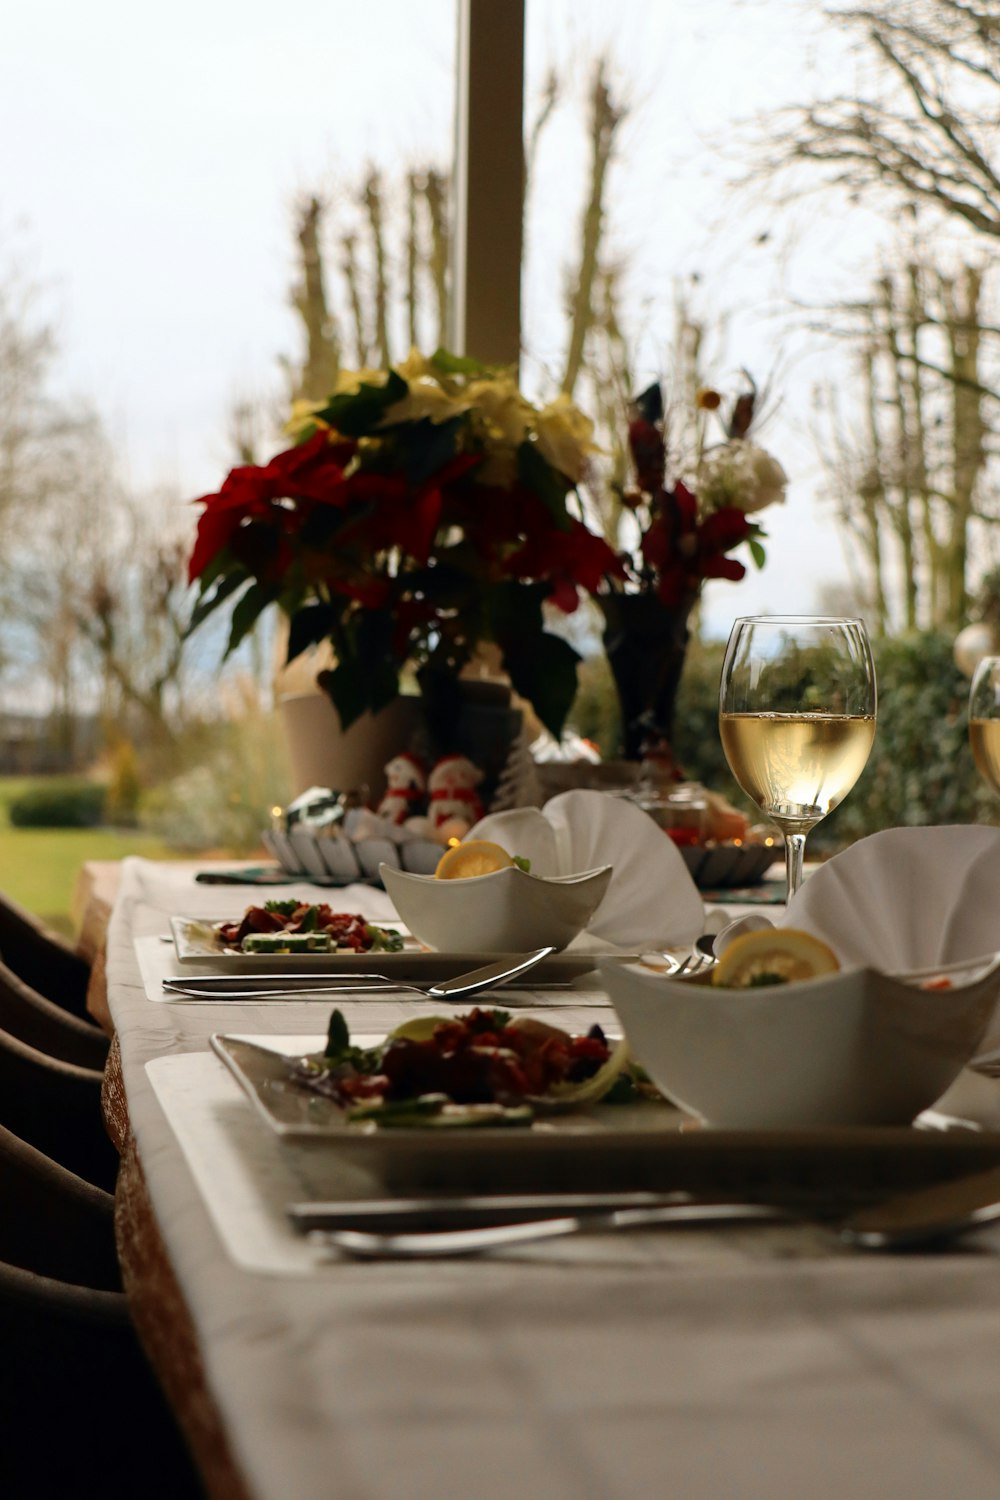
(797, 718)
(984, 720)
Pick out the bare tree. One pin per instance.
(924, 125)
(379, 254)
(913, 477)
(309, 298)
(605, 118)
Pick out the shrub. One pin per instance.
(124, 787)
(235, 771)
(58, 804)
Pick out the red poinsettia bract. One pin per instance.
(312, 473)
(683, 550)
(571, 560)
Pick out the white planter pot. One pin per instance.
(323, 754)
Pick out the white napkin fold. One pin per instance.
(651, 900)
(906, 898)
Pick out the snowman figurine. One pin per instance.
(406, 788)
(454, 803)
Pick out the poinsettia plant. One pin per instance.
(422, 511)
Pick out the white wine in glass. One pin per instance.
(984, 720)
(797, 718)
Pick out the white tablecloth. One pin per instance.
(750, 1367)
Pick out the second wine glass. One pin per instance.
(984, 720)
(797, 718)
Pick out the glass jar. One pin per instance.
(681, 810)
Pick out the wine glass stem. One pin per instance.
(795, 848)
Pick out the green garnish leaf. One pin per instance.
(490, 1020)
(622, 1091)
(282, 908)
(522, 863)
(384, 939)
(338, 1036)
(310, 920)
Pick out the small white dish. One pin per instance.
(507, 911)
(652, 902)
(856, 1048)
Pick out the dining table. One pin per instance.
(746, 1361)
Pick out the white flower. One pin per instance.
(741, 474)
(502, 409)
(565, 437)
(425, 398)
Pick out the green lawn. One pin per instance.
(39, 866)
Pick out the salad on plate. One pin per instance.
(299, 927)
(482, 1068)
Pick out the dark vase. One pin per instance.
(646, 643)
(471, 717)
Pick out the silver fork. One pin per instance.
(696, 961)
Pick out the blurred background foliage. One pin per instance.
(921, 769)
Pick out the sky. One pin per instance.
(151, 158)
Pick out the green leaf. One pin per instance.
(208, 602)
(309, 625)
(359, 413)
(248, 610)
(757, 551)
(457, 364)
(426, 446)
(547, 483)
(543, 669)
(384, 939)
(346, 688)
(338, 1036)
(650, 403)
(514, 610)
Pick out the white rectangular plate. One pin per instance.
(195, 943)
(611, 1146)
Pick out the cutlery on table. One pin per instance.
(437, 1213)
(925, 1218)
(360, 1244)
(282, 986)
(673, 967)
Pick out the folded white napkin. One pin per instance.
(651, 900)
(906, 898)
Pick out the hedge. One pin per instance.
(58, 804)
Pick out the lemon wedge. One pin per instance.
(774, 955)
(477, 857)
(418, 1028)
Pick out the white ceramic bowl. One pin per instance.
(853, 1048)
(508, 911)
